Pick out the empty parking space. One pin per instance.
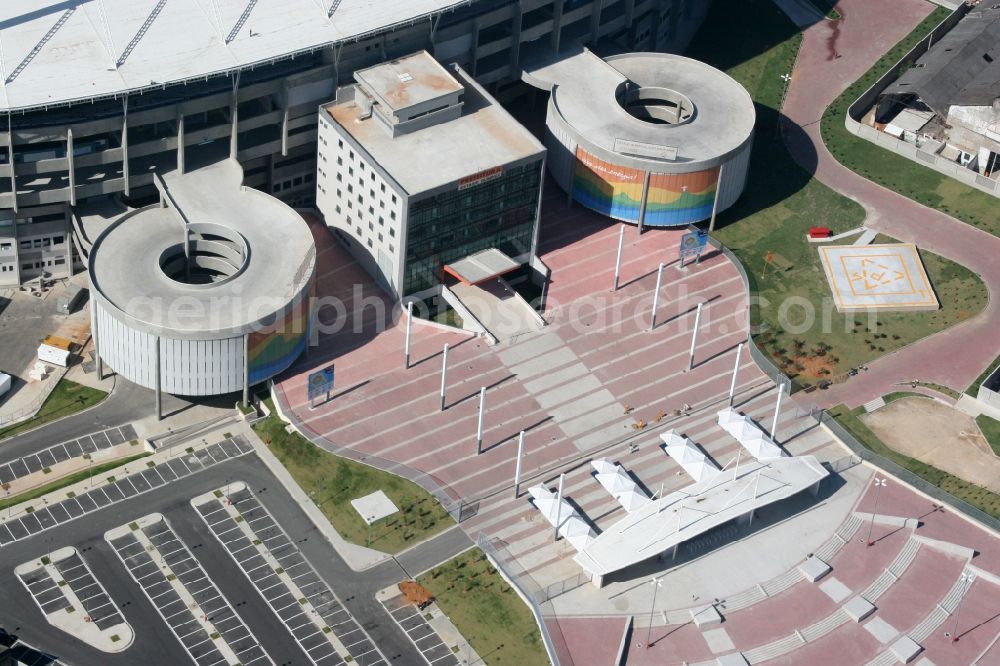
(96, 604)
(46, 458)
(284, 578)
(187, 600)
(129, 486)
(415, 626)
(73, 600)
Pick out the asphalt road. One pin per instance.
(154, 643)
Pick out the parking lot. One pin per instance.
(413, 622)
(58, 453)
(130, 486)
(188, 601)
(293, 590)
(234, 620)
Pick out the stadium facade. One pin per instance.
(101, 95)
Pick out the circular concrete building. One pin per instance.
(648, 138)
(206, 292)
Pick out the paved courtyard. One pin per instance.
(597, 382)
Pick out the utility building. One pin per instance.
(419, 167)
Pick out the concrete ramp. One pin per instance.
(500, 309)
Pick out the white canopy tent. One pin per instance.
(746, 432)
(572, 527)
(619, 485)
(684, 452)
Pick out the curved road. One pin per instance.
(954, 357)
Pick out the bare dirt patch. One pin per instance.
(939, 435)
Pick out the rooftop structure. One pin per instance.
(206, 293)
(884, 277)
(420, 168)
(646, 137)
(58, 52)
(663, 523)
(474, 134)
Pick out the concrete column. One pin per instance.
(234, 121)
(517, 466)
(284, 131)
(694, 336)
(557, 12)
(559, 495)
(642, 204)
(538, 211)
(475, 48)
(69, 241)
(618, 260)
(159, 396)
(656, 296)
(180, 142)
(736, 370)
(409, 329)
(70, 166)
(444, 373)
(17, 247)
(777, 412)
(715, 202)
(246, 370)
(97, 344)
(479, 426)
(125, 175)
(515, 40)
(13, 176)
(595, 20)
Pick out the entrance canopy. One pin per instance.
(482, 266)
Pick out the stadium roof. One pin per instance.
(962, 68)
(58, 51)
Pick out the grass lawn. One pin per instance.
(333, 482)
(488, 612)
(990, 428)
(69, 480)
(782, 201)
(893, 171)
(977, 496)
(66, 398)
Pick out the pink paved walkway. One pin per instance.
(954, 357)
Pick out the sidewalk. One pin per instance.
(868, 30)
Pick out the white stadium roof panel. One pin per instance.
(58, 52)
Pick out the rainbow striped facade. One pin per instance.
(616, 191)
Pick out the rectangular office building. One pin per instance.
(418, 167)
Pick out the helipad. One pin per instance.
(877, 277)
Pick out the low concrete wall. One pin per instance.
(469, 320)
(862, 104)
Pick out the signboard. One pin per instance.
(640, 149)
(480, 177)
(320, 382)
(693, 243)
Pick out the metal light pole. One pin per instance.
(777, 410)
(736, 369)
(409, 327)
(618, 261)
(967, 580)
(444, 373)
(479, 426)
(879, 485)
(559, 505)
(656, 296)
(657, 583)
(694, 336)
(517, 466)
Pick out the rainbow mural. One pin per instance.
(616, 191)
(669, 204)
(274, 349)
(607, 188)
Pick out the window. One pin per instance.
(340, 143)
(340, 161)
(296, 181)
(371, 227)
(380, 239)
(26, 267)
(370, 244)
(350, 171)
(340, 178)
(60, 261)
(352, 154)
(392, 214)
(393, 198)
(383, 187)
(26, 245)
(392, 232)
(5, 247)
